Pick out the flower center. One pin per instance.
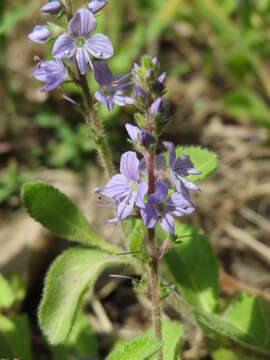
(80, 42)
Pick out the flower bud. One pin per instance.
(96, 5)
(156, 106)
(52, 8)
(39, 34)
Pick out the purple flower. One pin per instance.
(96, 5)
(145, 136)
(160, 83)
(79, 42)
(156, 106)
(127, 188)
(112, 87)
(39, 34)
(52, 8)
(53, 73)
(180, 168)
(165, 208)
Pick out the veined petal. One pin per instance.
(83, 23)
(126, 206)
(160, 193)
(64, 47)
(142, 191)
(183, 166)
(117, 187)
(167, 223)
(170, 147)
(102, 73)
(178, 205)
(82, 59)
(123, 100)
(100, 46)
(149, 215)
(133, 132)
(129, 165)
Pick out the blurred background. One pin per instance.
(217, 57)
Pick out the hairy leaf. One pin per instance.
(15, 338)
(57, 213)
(194, 266)
(6, 294)
(245, 321)
(81, 341)
(133, 349)
(69, 277)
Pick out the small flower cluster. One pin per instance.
(129, 190)
(78, 45)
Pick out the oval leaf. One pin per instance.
(57, 213)
(194, 266)
(71, 274)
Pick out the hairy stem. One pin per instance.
(103, 149)
(156, 306)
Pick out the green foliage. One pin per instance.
(17, 14)
(11, 179)
(194, 266)
(57, 213)
(69, 277)
(15, 337)
(136, 235)
(203, 159)
(245, 321)
(71, 145)
(81, 342)
(144, 346)
(6, 294)
(247, 104)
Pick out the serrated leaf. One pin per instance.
(247, 104)
(69, 277)
(194, 265)
(80, 343)
(172, 333)
(246, 322)
(55, 211)
(15, 338)
(7, 297)
(203, 159)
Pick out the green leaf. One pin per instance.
(81, 341)
(245, 321)
(69, 277)
(226, 354)
(6, 294)
(57, 213)
(172, 337)
(247, 104)
(142, 347)
(194, 265)
(15, 338)
(135, 238)
(133, 349)
(203, 159)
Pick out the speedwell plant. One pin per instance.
(149, 195)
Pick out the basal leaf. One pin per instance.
(15, 338)
(6, 294)
(57, 213)
(194, 266)
(69, 277)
